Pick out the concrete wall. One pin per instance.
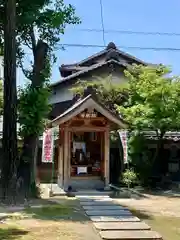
(62, 93)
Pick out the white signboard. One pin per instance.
(81, 170)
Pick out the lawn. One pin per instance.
(55, 222)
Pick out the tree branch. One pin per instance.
(33, 40)
(25, 72)
(26, 42)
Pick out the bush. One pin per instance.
(129, 178)
(141, 158)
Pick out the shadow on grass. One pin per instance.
(11, 233)
(139, 194)
(51, 209)
(128, 193)
(70, 210)
(142, 215)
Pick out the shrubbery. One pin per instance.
(141, 158)
(129, 178)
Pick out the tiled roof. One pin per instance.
(59, 108)
(82, 104)
(111, 46)
(168, 135)
(88, 69)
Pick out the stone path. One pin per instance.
(113, 221)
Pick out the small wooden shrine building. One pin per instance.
(84, 145)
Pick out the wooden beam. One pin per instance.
(92, 119)
(87, 129)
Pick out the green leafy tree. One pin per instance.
(153, 103)
(140, 157)
(39, 26)
(153, 99)
(106, 91)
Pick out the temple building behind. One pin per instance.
(86, 148)
(84, 156)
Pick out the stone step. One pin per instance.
(91, 193)
(97, 203)
(130, 235)
(114, 219)
(92, 198)
(108, 213)
(86, 184)
(106, 207)
(121, 226)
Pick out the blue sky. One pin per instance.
(139, 15)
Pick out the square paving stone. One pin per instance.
(114, 219)
(121, 226)
(85, 199)
(108, 213)
(93, 197)
(123, 235)
(102, 200)
(88, 199)
(96, 203)
(108, 207)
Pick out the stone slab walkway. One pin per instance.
(108, 212)
(104, 207)
(102, 226)
(97, 203)
(113, 221)
(114, 218)
(128, 235)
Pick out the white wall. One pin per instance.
(61, 94)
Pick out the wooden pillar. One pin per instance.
(102, 154)
(69, 155)
(60, 166)
(106, 157)
(60, 158)
(66, 158)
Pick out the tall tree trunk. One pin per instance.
(30, 142)
(10, 97)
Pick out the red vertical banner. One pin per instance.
(48, 146)
(124, 138)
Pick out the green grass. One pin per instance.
(168, 227)
(49, 212)
(50, 222)
(11, 233)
